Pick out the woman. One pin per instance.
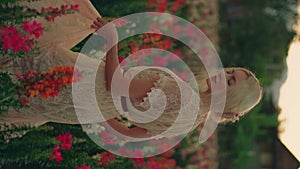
(243, 90)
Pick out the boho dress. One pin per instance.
(55, 44)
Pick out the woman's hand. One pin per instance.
(108, 32)
(98, 23)
(138, 132)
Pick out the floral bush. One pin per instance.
(18, 37)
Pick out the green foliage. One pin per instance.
(9, 96)
(41, 141)
(256, 35)
(117, 8)
(253, 34)
(239, 141)
(12, 13)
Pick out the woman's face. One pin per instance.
(233, 76)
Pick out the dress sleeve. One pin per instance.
(68, 30)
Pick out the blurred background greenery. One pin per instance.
(255, 34)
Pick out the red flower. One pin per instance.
(83, 167)
(138, 160)
(165, 44)
(24, 101)
(51, 13)
(65, 140)
(56, 154)
(30, 74)
(152, 37)
(33, 28)
(151, 3)
(8, 31)
(64, 8)
(177, 5)
(106, 158)
(74, 7)
(153, 164)
(108, 138)
(168, 154)
(50, 83)
(162, 6)
(121, 59)
(12, 39)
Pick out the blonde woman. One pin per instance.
(243, 93)
(243, 88)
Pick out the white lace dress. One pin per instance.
(170, 105)
(55, 44)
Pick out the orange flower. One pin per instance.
(165, 44)
(30, 74)
(49, 83)
(32, 93)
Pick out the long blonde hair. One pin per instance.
(240, 98)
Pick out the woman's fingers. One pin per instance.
(98, 23)
(101, 20)
(94, 26)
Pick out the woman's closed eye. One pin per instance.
(231, 79)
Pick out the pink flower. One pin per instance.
(108, 138)
(56, 154)
(122, 151)
(153, 164)
(83, 167)
(106, 158)
(65, 140)
(177, 5)
(138, 160)
(51, 13)
(12, 39)
(33, 28)
(191, 31)
(160, 61)
(64, 8)
(74, 7)
(137, 153)
(173, 57)
(120, 22)
(162, 6)
(8, 31)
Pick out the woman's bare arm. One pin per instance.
(135, 132)
(137, 88)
